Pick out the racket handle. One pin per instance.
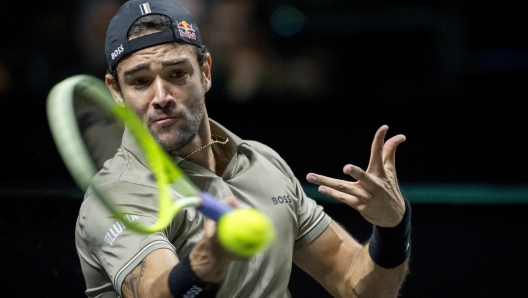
(212, 207)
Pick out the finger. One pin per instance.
(234, 203)
(360, 175)
(376, 151)
(337, 184)
(210, 228)
(348, 199)
(389, 151)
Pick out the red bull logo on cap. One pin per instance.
(186, 30)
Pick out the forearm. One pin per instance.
(159, 287)
(209, 262)
(201, 272)
(197, 273)
(161, 274)
(186, 277)
(347, 269)
(379, 269)
(367, 279)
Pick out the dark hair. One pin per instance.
(155, 23)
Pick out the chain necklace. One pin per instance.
(215, 139)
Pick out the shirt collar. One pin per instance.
(129, 143)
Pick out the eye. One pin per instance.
(139, 82)
(177, 73)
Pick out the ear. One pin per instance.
(206, 72)
(114, 89)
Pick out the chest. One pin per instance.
(261, 185)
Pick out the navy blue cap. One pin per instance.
(117, 45)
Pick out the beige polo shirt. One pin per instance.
(255, 174)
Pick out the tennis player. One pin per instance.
(159, 67)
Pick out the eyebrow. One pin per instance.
(135, 69)
(144, 66)
(174, 62)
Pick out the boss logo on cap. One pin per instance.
(186, 30)
(118, 51)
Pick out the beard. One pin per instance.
(169, 136)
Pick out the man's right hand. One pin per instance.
(209, 259)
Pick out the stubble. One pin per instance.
(172, 139)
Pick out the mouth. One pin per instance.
(164, 120)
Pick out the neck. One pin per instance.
(204, 151)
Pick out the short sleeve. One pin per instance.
(117, 249)
(311, 218)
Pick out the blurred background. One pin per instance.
(313, 79)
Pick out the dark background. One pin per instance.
(450, 75)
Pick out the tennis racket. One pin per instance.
(243, 231)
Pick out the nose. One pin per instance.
(162, 97)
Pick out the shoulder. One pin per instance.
(270, 154)
(112, 170)
(262, 148)
(122, 174)
(266, 151)
(125, 184)
(131, 198)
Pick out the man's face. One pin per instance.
(166, 88)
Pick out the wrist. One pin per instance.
(183, 282)
(209, 260)
(390, 247)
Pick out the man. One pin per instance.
(159, 67)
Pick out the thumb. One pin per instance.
(234, 203)
(389, 151)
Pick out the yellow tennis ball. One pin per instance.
(245, 231)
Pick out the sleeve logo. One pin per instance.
(118, 228)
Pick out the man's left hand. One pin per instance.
(375, 194)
